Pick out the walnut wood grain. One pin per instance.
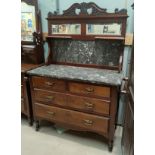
(87, 104)
(88, 89)
(49, 103)
(50, 98)
(87, 121)
(48, 83)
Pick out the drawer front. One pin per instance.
(48, 83)
(87, 89)
(50, 97)
(79, 119)
(88, 104)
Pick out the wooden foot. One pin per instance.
(110, 146)
(37, 125)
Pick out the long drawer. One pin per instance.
(80, 103)
(89, 89)
(79, 119)
(48, 83)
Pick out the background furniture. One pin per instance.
(128, 130)
(32, 53)
(79, 86)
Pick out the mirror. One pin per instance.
(28, 22)
(103, 29)
(66, 29)
(90, 10)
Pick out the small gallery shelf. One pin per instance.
(58, 36)
(110, 38)
(86, 37)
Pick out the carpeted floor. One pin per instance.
(48, 141)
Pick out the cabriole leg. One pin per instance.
(110, 145)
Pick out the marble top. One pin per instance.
(92, 75)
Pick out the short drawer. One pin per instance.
(89, 104)
(50, 98)
(48, 83)
(79, 119)
(88, 89)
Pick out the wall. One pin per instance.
(50, 5)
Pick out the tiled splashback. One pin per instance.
(100, 52)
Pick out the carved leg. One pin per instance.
(110, 145)
(37, 125)
(30, 121)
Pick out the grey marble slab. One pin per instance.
(100, 52)
(92, 75)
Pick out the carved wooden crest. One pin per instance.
(85, 9)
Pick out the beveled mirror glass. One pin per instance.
(66, 29)
(103, 29)
(28, 22)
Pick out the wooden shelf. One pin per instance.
(110, 38)
(69, 37)
(87, 37)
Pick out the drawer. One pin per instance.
(48, 83)
(50, 97)
(78, 119)
(88, 89)
(88, 104)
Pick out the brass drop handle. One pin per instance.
(88, 122)
(89, 105)
(51, 113)
(50, 97)
(89, 89)
(50, 83)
